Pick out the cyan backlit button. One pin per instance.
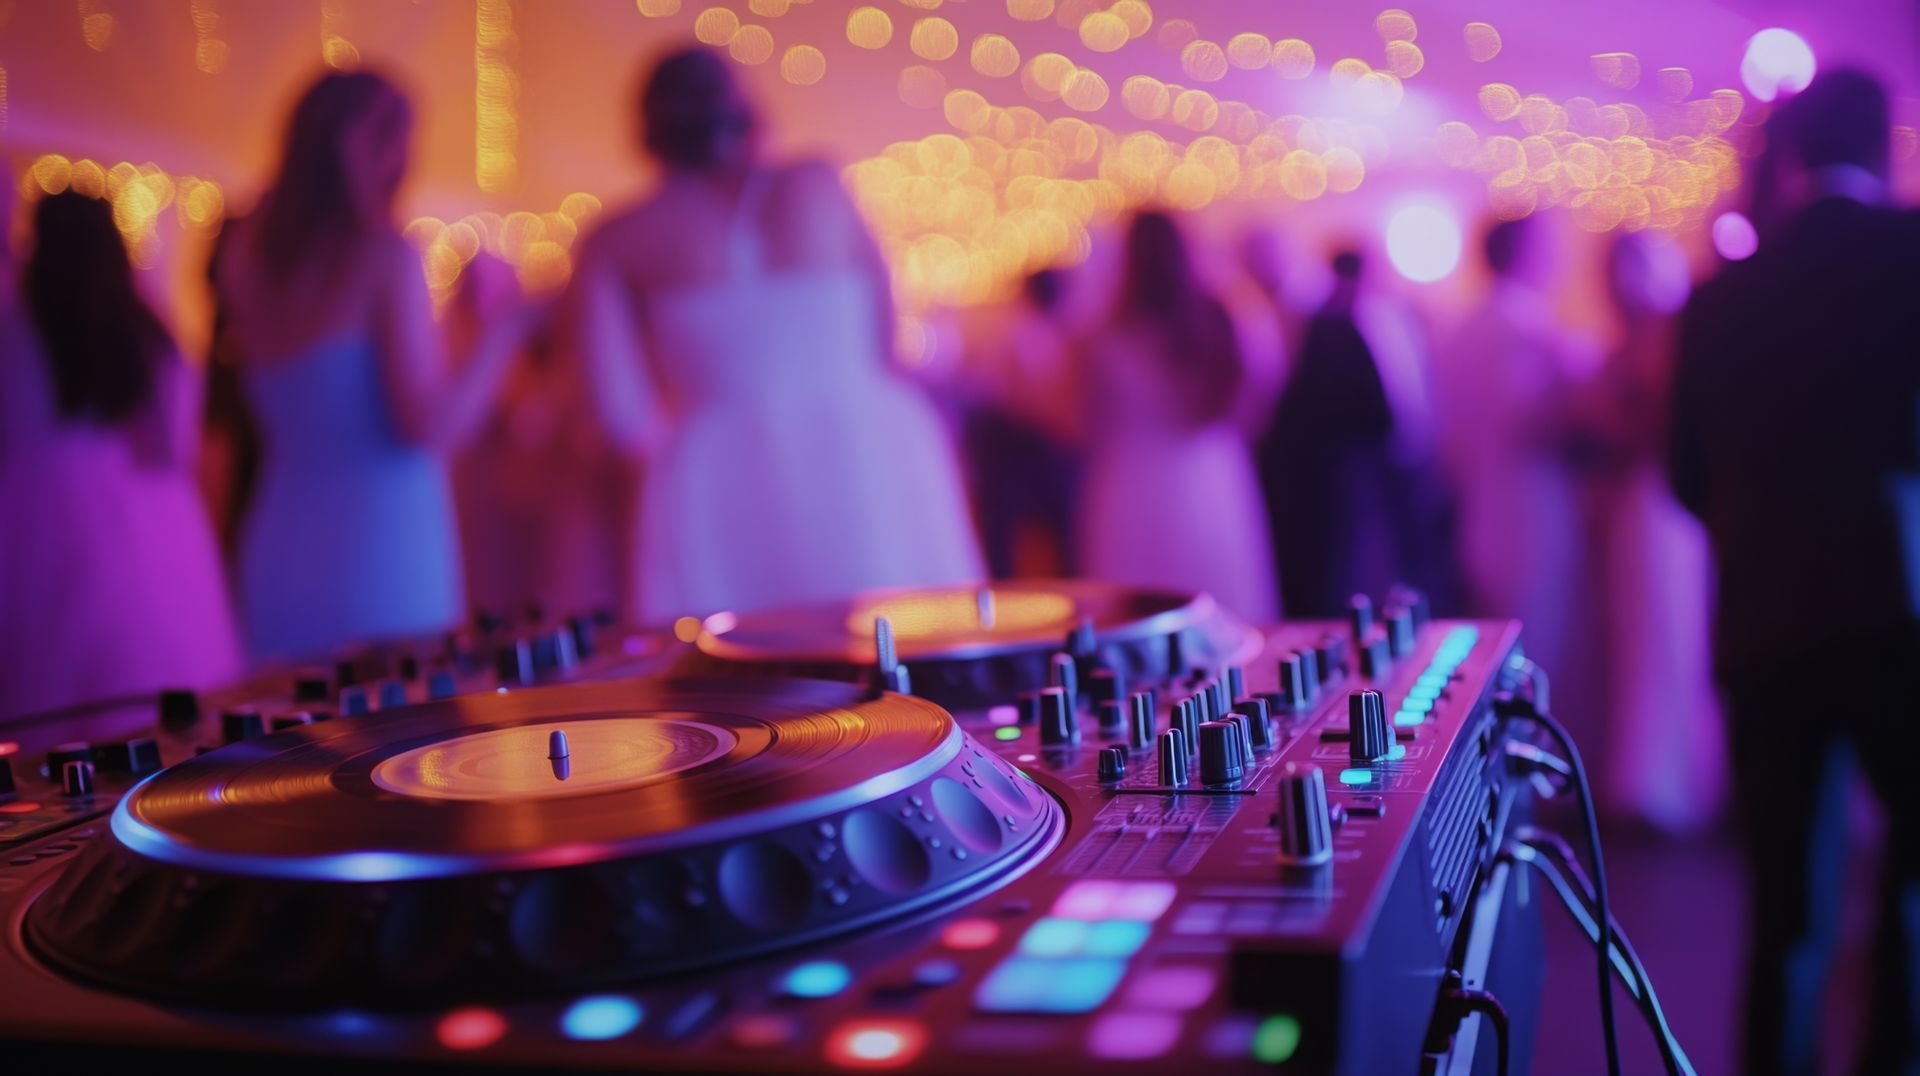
(1116, 938)
(1055, 937)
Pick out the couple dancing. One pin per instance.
(735, 331)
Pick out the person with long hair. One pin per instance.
(110, 582)
(1170, 498)
(351, 534)
(737, 328)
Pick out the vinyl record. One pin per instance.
(535, 840)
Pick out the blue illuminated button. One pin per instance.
(1035, 985)
(1358, 775)
(607, 1016)
(1417, 705)
(817, 979)
(1407, 719)
(1055, 937)
(1397, 752)
(1116, 937)
(935, 972)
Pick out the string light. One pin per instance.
(96, 24)
(496, 92)
(335, 50)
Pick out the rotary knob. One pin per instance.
(1304, 819)
(1369, 734)
(1064, 674)
(1375, 656)
(354, 702)
(1140, 708)
(1293, 681)
(1236, 681)
(241, 723)
(1329, 657)
(1059, 725)
(1173, 758)
(1259, 723)
(1360, 616)
(76, 779)
(514, 663)
(136, 757)
(1220, 753)
(1400, 630)
(1112, 765)
(442, 685)
(393, 692)
(1104, 686)
(62, 754)
(1186, 720)
(179, 709)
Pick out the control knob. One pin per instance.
(1304, 819)
(1173, 758)
(1220, 753)
(1059, 725)
(1369, 734)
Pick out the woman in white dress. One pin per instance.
(1667, 761)
(110, 581)
(1170, 499)
(736, 328)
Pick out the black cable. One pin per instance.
(1563, 874)
(1472, 1001)
(1603, 949)
(1562, 853)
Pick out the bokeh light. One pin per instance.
(1777, 61)
(1423, 242)
(1483, 41)
(1734, 237)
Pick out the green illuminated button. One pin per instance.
(1276, 1040)
(1007, 732)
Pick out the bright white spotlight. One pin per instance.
(1734, 237)
(1777, 61)
(1423, 242)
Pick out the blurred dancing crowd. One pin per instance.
(711, 417)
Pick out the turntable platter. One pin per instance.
(540, 839)
(973, 646)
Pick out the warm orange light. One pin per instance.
(994, 56)
(1405, 59)
(1293, 58)
(752, 45)
(1204, 61)
(1249, 52)
(933, 38)
(869, 28)
(1103, 31)
(1394, 24)
(1483, 41)
(716, 26)
(1617, 69)
(803, 65)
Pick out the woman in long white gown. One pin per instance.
(1170, 498)
(736, 328)
(110, 581)
(1666, 755)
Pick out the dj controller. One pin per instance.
(1032, 825)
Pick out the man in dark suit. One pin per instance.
(1794, 432)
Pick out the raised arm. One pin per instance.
(599, 328)
(435, 402)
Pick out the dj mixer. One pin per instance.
(1032, 825)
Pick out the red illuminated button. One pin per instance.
(970, 934)
(470, 1029)
(876, 1043)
